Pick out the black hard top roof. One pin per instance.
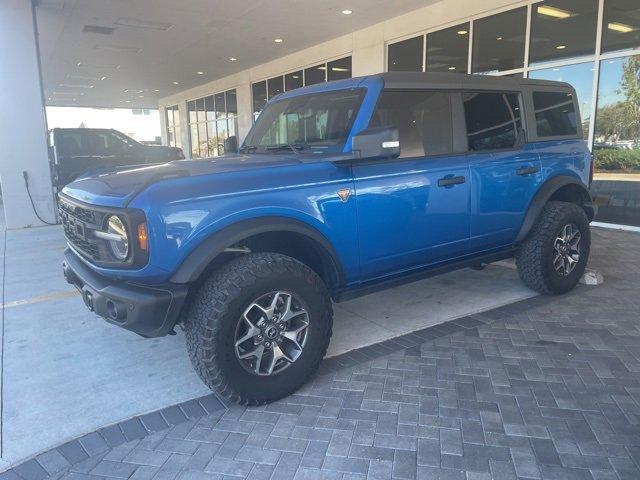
(461, 81)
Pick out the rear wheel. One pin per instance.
(553, 257)
(259, 327)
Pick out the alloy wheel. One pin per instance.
(271, 333)
(566, 250)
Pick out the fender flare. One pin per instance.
(544, 193)
(197, 261)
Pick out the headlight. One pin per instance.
(117, 238)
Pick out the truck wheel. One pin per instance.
(553, 257)
(258, 328)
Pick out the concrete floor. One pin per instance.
(67, 373)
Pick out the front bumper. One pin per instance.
(149, 311)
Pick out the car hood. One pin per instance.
(116, 187)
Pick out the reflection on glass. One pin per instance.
(621, 25)
(193, 139)
(293, 80)
(220, 105)
(275, 86)
(191, 109)
(209, 107)
(498, 41)
(562, 29)
(200, 108)
(232, 102)
(616, 144)
(202, 137)
(259, 94)
(406, 56)
(448, 50)
(580, 77)
(315, 74)
(339, 69)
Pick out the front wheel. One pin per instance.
(259, 327)
(554, 255)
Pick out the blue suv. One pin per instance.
(338, 190)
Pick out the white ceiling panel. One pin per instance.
(146, 45)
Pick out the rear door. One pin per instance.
(505, 169)
(413, 210)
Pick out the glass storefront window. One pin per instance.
(339, 69)
(210, 124)
(259, 96)
(275, 86)
(406, 56)
(315, 74)
(621, 25)
(580, 77)
(173, 126)
(293, 80)
(448, 49)
(562, 29)
(498, 41)
(616, 144)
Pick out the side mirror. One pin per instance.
(377, 142)
(231, 144)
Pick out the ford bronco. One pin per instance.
(339, 189)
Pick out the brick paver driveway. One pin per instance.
(545, 388)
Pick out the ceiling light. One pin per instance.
(127, 101)
(233, 59)
(296, 76)
(553, 12)
(452, 68)
(103, 78)
(620, 27)
(156, 90)
(137, 23)
(339, 69)
(498, 38)
(200, 73)
(462, 32)
(561, 47)
(140, 96)
(347, 12)
(118, 48)
(176, 83)
(278, 40)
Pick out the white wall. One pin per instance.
(23, 141)
(366, 46)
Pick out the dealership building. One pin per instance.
(210, 67)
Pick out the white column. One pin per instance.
(23, 131)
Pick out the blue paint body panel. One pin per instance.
(395, 220)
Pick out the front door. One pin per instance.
(413, 210)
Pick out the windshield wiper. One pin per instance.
(247, 148)
(284, 146)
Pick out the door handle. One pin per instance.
(450, 181)
(527, 170)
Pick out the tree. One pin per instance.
(630, 88)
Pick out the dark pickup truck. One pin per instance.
(74, 151)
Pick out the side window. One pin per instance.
(555, 114)
(493, 120)
(423, 120)
(94, 144)
(68, 144)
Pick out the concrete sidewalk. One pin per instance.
(67, 373)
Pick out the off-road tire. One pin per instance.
(218, 305)
(535, 257)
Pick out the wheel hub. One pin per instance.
(271, 333)
(566, 250)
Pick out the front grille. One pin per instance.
(79, 223)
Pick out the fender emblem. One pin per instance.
(344, 194)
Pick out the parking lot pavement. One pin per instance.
(546, 388)
(67, 373)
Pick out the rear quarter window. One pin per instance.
(556, 114)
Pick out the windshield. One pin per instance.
(317, 120)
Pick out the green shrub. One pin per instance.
(611, 159)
